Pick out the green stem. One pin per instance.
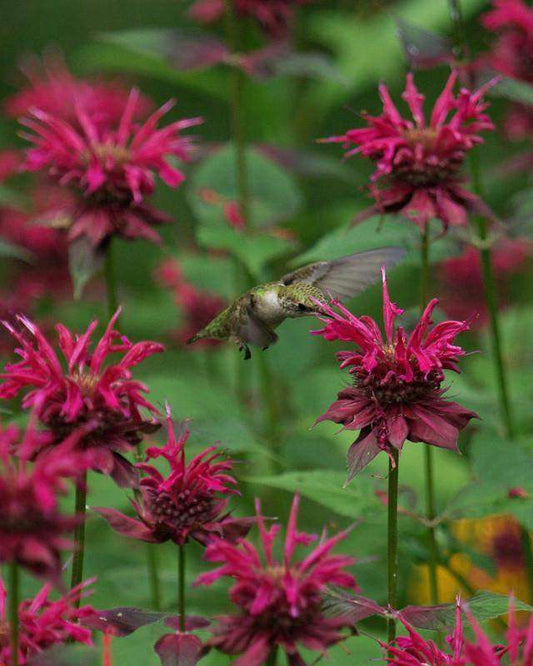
(155, 588)
(80, 508)
(428, 453)
(13, 600)
(392, 541)
(271, 407)
(110, 280)
(273, 657)
(181, 587)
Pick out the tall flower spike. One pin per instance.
(279, 600)
(418, 162)
(33, 532)
(101, 403)
(397, 391)
(111, 168)
(190, 503)
(44, 623)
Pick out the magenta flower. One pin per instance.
(272, 15)
(397, 391)
(32, 528)
(418, 164)
(102, 403)
(190, 503)
(279, 601)
(44, 623)
(111, 168)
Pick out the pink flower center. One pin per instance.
(385, 385)
(86, 381)
(108, 154)
(181, 513)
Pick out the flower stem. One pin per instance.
(80, 508)
(392, 541)
(14, 611)
(181, 586)
(110, 280)
(273, 657)
(155, 588)
(428, 453)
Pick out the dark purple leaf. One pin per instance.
(122, 621)
(353, 607)
(179, 649)
(423, 49)
(191, 622)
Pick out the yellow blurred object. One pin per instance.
(498, 537)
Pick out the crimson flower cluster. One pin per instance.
(418, 163)
(101, 403)
(44, 623)
(397, 391)
(111, 167)
(32, 528)
(279, 600)
(273, 16)
(190, 503)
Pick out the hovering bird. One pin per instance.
(252, 318)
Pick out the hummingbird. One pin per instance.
(253, 317)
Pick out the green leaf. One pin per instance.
(11, 251)
(84, 261)
(326, 488)
(516, 91)
(274, 195)
(255, 251)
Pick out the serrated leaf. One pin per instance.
(326, 488)
(483, 606)
(84, 261)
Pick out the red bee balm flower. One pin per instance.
(32, 530)
(111, 168)
(44, 623)
(103, 403)
(417, 165)
(280, 601)
(397, 389)
(188, 503)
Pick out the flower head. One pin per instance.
(101, 402)
(190, 503)
(197, 307)
(272, 15)
(279, 599)
(32, 529)
(44, 623)
(111, 168)
(418, 163)
(397, 391)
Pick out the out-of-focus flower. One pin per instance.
(273, 16)
(462, 278)
(112, 169)
(190, 503)
(10, 161)
(197, 307)
(418, 164)
(53, 89)
(32, 529)
(102, 402)
(44, 623)
(397, 390)
(414, 650)
(279, 600)
(230, 209)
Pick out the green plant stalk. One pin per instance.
(392, 541)
(80, 508)
(110, 280)
(181, 587)
(428, 453)
(155, 587)
(273, 657)
(13, 601)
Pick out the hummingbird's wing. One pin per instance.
(253, 330)
(346, 277)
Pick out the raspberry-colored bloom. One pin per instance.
(103, 402)
(112, 169)
(418, 164)
(462, 278)
(279, 601)
(272, 15)
(190, 503)
(197, 307)
(397, 391)
(32, 529)
(53, 89)
(44, 623)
